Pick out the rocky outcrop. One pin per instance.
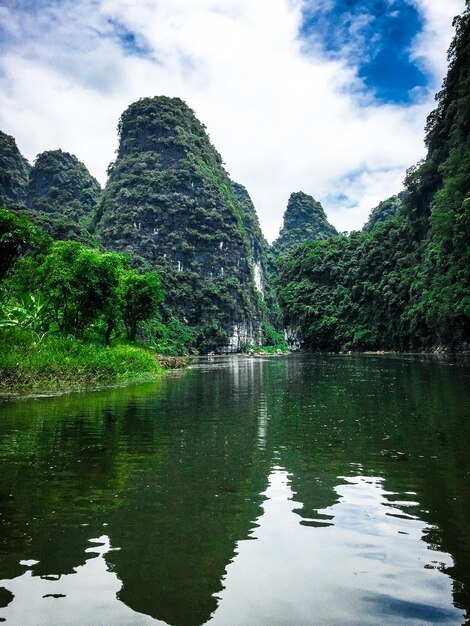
(304, 220)
(170, 203)
(14, 173)
(258, 244)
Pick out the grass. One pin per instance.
(54, 363)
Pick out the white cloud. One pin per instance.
(430, 46)
(283, 120)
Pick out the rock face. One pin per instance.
(383, 212)
(170, 203)
(14, 172)
(304, 220)
(258, 244)
(62, 195)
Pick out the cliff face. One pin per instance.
(304, 220)
(14, 172)
(62, 195)
(383, 212)
(170, 203)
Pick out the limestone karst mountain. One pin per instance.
(62, 195)
(304, 220)
(170, 203)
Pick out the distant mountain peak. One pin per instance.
(304, 220)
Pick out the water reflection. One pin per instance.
(59, 600)
(296, 490)
(365, 565)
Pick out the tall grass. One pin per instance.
(29, 364)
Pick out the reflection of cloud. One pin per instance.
(88, 596)
(284, 117)
(370, 563)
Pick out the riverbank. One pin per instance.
(30, 363)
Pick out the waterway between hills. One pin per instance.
(293, 490)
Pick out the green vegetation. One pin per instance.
(62, 196)
(14, 172)
(58, 193)
(61, 303)
(16, 234)
(58, 362)
(171, 222)
(405, 285)
(140, 294)
(384, 211)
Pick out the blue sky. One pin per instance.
(375, 36)
(329, 97)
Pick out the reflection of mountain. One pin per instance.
(178, 526)
(177, 471)
(85, 596)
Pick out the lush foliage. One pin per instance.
(62, 195)
(384, 211)
(60, 302)
(57, 193)
(173, 338)
(139, 295)
(16, 235)
(171, 204)
(81, 288)
(406, 284)
(81, 285)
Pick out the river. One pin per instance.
(293, 490)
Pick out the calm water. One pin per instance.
(281, 491)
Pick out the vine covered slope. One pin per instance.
(14, 172)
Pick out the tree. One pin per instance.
(81, 285)
(140, 293)
(16, 234)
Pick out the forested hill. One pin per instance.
(62, 195)
(170, 203)
(405, 285)
(384, 211)
(58, 193)
(304, 220)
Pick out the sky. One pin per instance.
(329, 97)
